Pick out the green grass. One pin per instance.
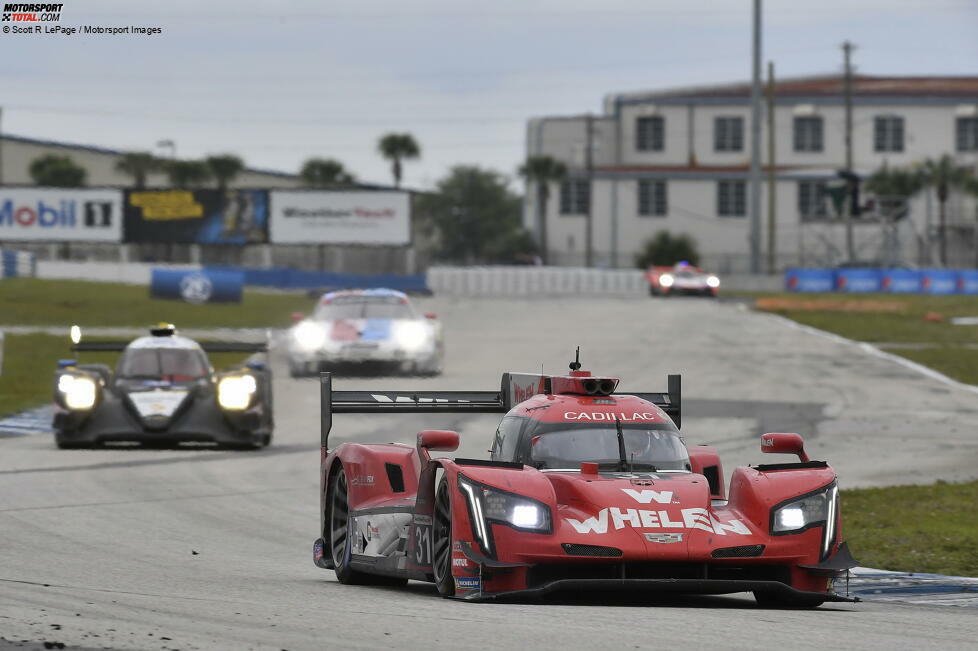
(32, 301)
(29, 362)
(914, 528)
(945, 347)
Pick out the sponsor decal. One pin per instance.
(60, 214)
(468, 583)
(664, 537)
(362, 480)
(460, 562)
(317, 550)
(423, 519)
(157, 402)
(196, 288)
(456, 546)
(610, 416)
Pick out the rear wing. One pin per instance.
(208, 346)
(514, 389)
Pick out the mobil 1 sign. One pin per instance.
(322, 217)
(60, 214)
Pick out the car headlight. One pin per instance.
(666, 280)
(309, 336)
(487, 505)
(713, 281)
(78, 392)
(411, 335)
(234, 392)
(802, 513)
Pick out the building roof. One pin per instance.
(825, 86)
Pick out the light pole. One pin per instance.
(168, 144)
(755, 146)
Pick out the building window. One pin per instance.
(967, 134)
(728, 134)
(812, 199)
(888, 133)
(652, 198)
(650, 134)
(575, 197)
(731, 198)
(808, 133)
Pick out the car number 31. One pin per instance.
(422, 544)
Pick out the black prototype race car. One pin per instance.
(163, 391)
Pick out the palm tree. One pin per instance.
(942, 175)
(543, 170)
(138, 165)
(57, 171)
(224, 168)
(187, 173)
(396, 147)
(325, 172)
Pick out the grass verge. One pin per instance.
(914, 528)
(33, 301)
(916, 327)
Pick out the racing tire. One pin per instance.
(441, 541)
(653, 291)
(769, 600)
(340, 542)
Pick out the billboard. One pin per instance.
(321, 217)
(197, 216)
(60, 215)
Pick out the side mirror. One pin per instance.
(784, 443)
(297, 316)
(430, 315)
(443, 440)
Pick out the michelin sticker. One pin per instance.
(196, 288)
(467, 583)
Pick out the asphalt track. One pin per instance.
(205, 549)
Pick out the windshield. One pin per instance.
(645, 448)
(165, 363)
(362, 307)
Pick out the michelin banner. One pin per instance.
(197, 216)
(319, 217)
(60, 215)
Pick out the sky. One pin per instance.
(279, 82)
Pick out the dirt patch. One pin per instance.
(777, 304)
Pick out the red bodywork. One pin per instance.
(685, 279)
(677, 530)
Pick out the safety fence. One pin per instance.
(897, 281)
(535, 281)
(14, 264)
(286, 278)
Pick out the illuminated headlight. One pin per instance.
(235, 391)
(666, 280)
(487, 505)
(309, 336)
(713, 281)
(79, 392)
(411, 335)
(819, 508)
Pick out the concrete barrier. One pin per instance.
(535, 281)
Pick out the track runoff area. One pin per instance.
(194, 548)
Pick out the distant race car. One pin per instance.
(377, 327)
(163, 391)
(683, 278)
(585, 489)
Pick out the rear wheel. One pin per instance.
(441, 541)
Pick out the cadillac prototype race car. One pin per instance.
(585, 489)
(376, 327)
(682, 279)
(164, 391)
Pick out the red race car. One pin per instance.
(682, 279)
(585, 489)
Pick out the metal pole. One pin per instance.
(847, 90)
(772, 188)
(755, 152)
(614, 188)
(589, 169)
(1, 145)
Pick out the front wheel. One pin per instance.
(441, 541)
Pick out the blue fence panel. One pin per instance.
(204, 286)
(859, 280)
(968, 281)
(285, 278)
(939, 281)
(17, 264)
(902, 281)
(809, 280)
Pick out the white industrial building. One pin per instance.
(678, 160)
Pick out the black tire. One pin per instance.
(772, 600)
(653, 291)
(441, 541)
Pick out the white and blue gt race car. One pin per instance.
(367, 328)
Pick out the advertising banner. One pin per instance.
(809, 280)
(60, 215)
(197, 216)
(204, 286)
(320, 217)
(859, 280)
